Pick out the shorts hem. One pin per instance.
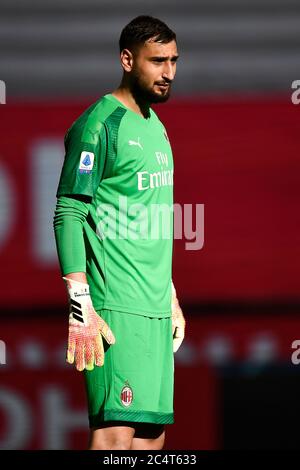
(133, 311)
(131, 416)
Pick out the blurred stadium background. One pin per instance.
(235, 137)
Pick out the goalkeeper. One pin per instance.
(125, 321)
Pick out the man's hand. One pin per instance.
(86, 328)
(178, 321)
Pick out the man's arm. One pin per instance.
(86, 327)
(178, 321)
(70, 215)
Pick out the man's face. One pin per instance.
(153, 70)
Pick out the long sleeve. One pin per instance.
(70, 215)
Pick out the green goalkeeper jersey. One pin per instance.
(123, 163)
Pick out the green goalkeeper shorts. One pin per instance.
(136, 382)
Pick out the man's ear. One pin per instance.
(126, 59)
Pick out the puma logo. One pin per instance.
(133, 142)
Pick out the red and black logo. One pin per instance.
(126, 395)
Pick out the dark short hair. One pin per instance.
(142, 28)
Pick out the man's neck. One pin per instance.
(124, 95)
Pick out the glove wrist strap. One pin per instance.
(77, 289)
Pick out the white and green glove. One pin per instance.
(86, 328)
(178, 322)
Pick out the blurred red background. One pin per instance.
(240, 158)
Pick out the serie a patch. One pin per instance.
(86, 162)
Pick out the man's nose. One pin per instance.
(169, 71)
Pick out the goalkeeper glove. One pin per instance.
(86, 328)
(178, 322)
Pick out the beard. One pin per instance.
(142, 92)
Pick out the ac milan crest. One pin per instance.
(126, 395)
